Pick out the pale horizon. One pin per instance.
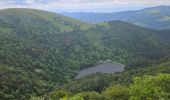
(102, 6)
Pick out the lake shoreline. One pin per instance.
(105, 67)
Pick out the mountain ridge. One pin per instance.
(39, 53)
(154, 17)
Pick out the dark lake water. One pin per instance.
(107, 67)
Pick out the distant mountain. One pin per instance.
(154, 18)
(40, 50)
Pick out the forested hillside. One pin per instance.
(38, 50)
(130, 44)
(154, 17)
(42, 51)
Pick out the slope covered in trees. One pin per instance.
(41, 45)
(145, 83)
(40, 51)
(142, 88)
(130, 44)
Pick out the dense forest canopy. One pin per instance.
(41, 52)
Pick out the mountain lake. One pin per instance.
(107, 67)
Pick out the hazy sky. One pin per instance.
(82, 5)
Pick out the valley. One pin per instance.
(42, 52)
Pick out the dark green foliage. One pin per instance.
(49, 55)
(56, 95)
(46, 51)
(117, 92)
(129, 44)
(90, 96)
(16, 83)
(100, 82)
(151, 87)
(92, 83)
(146, 87)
